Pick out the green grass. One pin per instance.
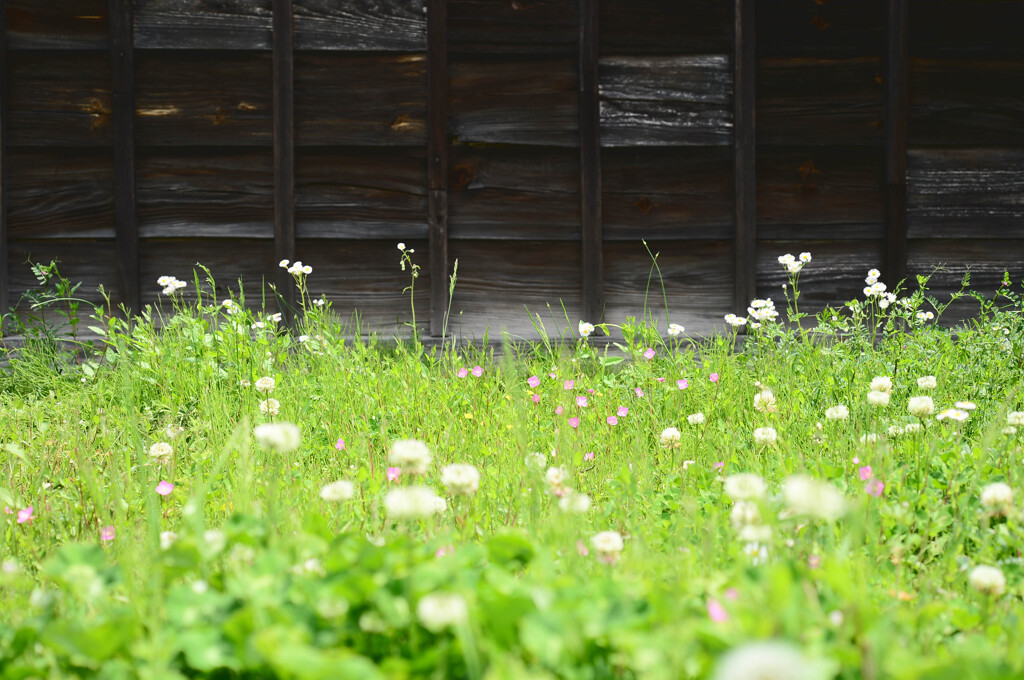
(263, 578)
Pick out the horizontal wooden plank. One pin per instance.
(818, 28)
(658, 27)
(507, 192)
(59, 99)
(834, 276)
(667, 193)
(377, 193)
(819, 192)
(819, 101)
(372, 25)
(57, 194)
(662, 101)
(697, 278)
(966, 103)
(90, 262)
(516, 27)
(501, 284)
(364, 276)
(965, 193)
(58, 24)
(251, 260)
(196, 193)
(521, 101)
(979, 28)
(203, 24)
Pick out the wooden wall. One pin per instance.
(538, 142)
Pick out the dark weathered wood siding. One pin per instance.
(538, 142)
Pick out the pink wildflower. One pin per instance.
(716, 612)
(574, 422)
(865, 473)
(536, 398)
(813, 561)
(340, 444)
(732, 594)
(108, 533)
(551, 375)
(581, 548)
(568, 384)
(393, 473)
(682, 384)
(621, 411)
(533, 381)
(478, 371)
(639, 392)
(713, 377)
(719, 465)
(660, 379)
(856, 460)
(444, 550)
(590, 391)
(581, 401)
(25, 515)
(588, 456)
(649, 353)
(875, 487)
(558, 410)
(164, 488)
(462, 372)
(612, 420)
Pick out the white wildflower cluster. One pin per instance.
(296, 268)
(231, 307)
(997, 499)
(265, 385)
(771, 660)
(670, 437)
(806, 496)
(695, 418)
(438, 611)
(925, 316)
(792, 264)
(536, 459)
(270, 407)
(161, 452)
(988, 580)
(747, 490)
(411, 455)
(170, 284)
(460, 479)
(927, 382)
(281, 437)
(336, 492)
(958, 415)
(556, 479)
(675, 330)
(762, 310)
(881, 391)
(921, 406)
(735, 321)
(877, 289)
(608, 545)
(586, 329)
(837, 412)
(1015, 418)
(764, 401)
(765, 436)
(909, 428)
(413, 502)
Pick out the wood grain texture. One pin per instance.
(4, 166)
(833, 28)
(284, 154)
(979, 28)
(59, 99)
(897, 98)
(657, 27)
(364, 276)
(437, 161)
(834, 276)
(251, 260)
(519, 27)
(671, 193)
(204, 24)
(697, 276)
(666, 101)
(89, 261)
(965, 193)
(957, 102)
(819, 101)
(57, 24)
(517, 101)
(126, 225)
(744, 145)
(361, 25)
(499, 281)
(819, 192)
(591, 221)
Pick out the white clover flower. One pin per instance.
(744, 486)
(585, 329)
(966, 405)
(869, 438)
(774, 660)
(764, 401)
(173, 431)
(997, 498)
(988, 580)
(927, 382)
(881, 383)
(556, 477)
(608, 545)
(244, 382)
(878, 399)
(411, 502)
(461, 479)
(959, 415)
(670, 437)
(411, 455)
(695, 418)
(167, 539)
(536, 459)
(442, 610)
(281, 437)
(440, 505)
(805, 495)
(895, 430)
(838, 412)
(161, 451)
(1015, 418)
(1009, 430)
(735, 321)
(335, 492)
(675, 330)
(575, 503)
(911, 428)
(921, 406)
(265, 385)
(270, 407)
(765, 435)
(744, 514)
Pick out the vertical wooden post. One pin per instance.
(284, 152)
(744, 157)
(897, 98)
(437, 160)
(590, 162)
(126, 228)
(4, 256)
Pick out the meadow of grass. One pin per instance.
(226, 498)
